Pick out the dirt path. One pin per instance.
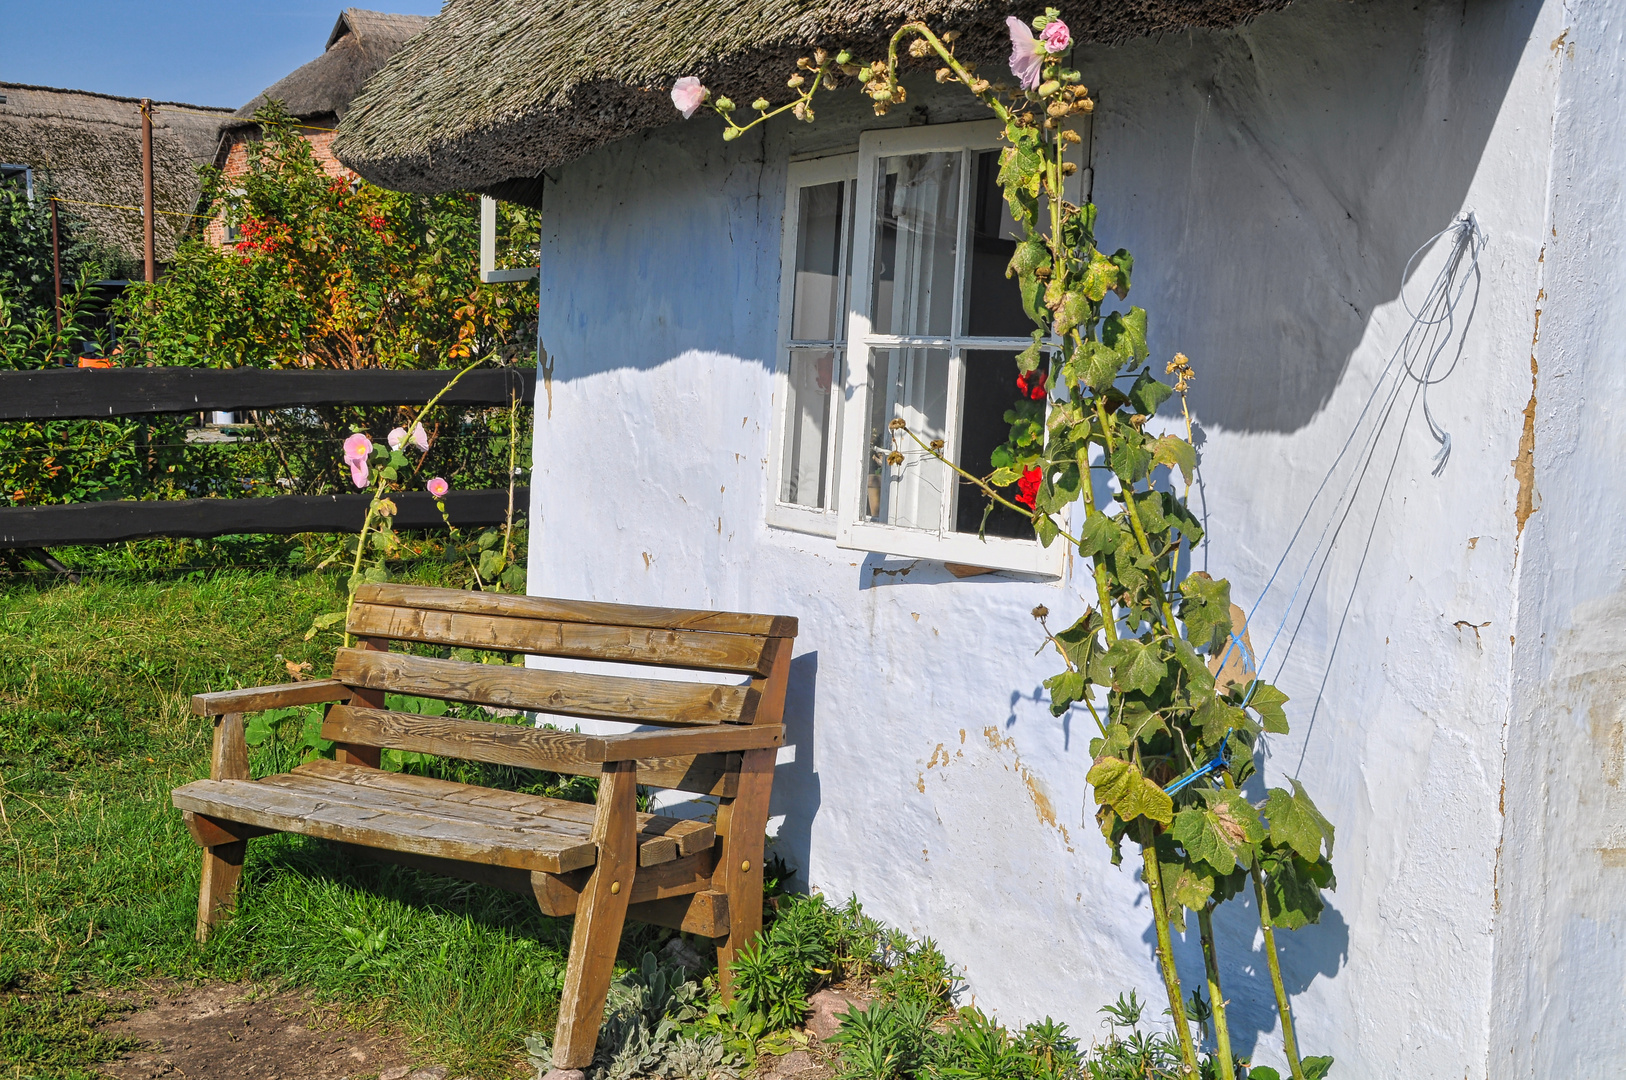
(234, 1031)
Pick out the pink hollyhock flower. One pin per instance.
(420, 438)
(1056, 37)
(438, 487)
(688, 95)
(1027, 53)
(396, 438)
(356, 449)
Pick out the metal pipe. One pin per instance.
(146, 189)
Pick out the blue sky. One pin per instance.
(219, 53)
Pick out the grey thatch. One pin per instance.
(88, 146)
(360, 44)
(495, 91)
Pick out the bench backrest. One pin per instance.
(750, 652)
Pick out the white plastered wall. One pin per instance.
(1272, 182)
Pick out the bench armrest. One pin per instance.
(720, 738)
(270, 697)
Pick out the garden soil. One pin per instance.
(235, 1031)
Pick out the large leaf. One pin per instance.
(1081, 641)
(1120, 785)
(1205, 608)
(1267, 701)
(1296, 823)
(1216, 717)
(1293, 890)
(1065, 688)
(1101, 535)
(1130, 459)
(1125, 334)
(1172, 450)
(1221, 832)
(1100, 277)
(1075, 307)
(1147, 393)
(1131, 665)
(1095, 365)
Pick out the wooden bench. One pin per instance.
(602, 864)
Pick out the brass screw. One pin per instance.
(615, 887)
(746, 866)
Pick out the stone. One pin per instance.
(433, 1072)
(564, 1074)
(397, 1072)
(824, 1012)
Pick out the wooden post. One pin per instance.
(56, 265)
(600, 913)
(223, 863)
(146, 190)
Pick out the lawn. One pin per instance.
(98, 878)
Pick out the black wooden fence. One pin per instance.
(97, 394)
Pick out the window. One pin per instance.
(813, 328)
(934, 327)
(20, 175)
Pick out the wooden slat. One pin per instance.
(299, 812)
(565, 752)
(723, 737)
(558, 893)
(212, 832)
(550, 637)
(136, 391)
(639, 701)
(498, 877)
(280, 515)
(703, 913)
(688, 837)
(582, 611)
(256, 698)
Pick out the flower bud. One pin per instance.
(795, 82)
(1068, 168)
(799, 110)
(919, 48)
(1048, 88)
(730, 134)
(894, 458)
(1071, 136)
(951, 37)
(883, 94)
(851, 69)
(803, 63)
(760, 104)
(938, 444)
(819, 57)
(1058, 108)
(1041, 612)
(844, 58)
(944, 75)
(898, 424)
(724, 105)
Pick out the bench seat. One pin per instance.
(416, 814)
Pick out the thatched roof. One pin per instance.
(89, 147)
(360, 44)
(495, 91)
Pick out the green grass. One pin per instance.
(98, 878)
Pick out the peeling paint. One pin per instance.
(1524, 465)
(1036, 792)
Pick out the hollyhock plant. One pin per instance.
(398, 437)
(1027, 53)
(356, 450)
(688, 95)
(438, 487)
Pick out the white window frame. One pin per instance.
(796, 516)
(852, 531)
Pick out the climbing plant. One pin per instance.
(1178, 720)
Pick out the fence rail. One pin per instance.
(95, 394)
(90, 394)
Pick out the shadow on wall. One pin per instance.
(1273, 180)
(796, 783)
(1317, 950)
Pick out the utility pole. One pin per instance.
(146, 188)
(56, 265)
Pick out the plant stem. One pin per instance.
(1134, 519)
(1165, 947)
(1290, 1043)
(1216, 1000)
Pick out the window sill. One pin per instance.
(802, 519)
(992, 554)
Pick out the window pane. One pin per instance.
(816, 305)
(990, 389)
(993, 303)
(911, 384)
(802, 475)
(916, 235)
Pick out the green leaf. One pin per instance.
(1029, 358)
(1172, 450)
(1125, 263)
(1075, 307)
(1146, 393)
(1081, 641)
(1030, 255)
(1120, 785)
(491, 563)
(1125, 334)
(1186, 884)
(1131, 665)
(1267, 701)
(1094, 365)
(1065, 688)
(1316, 1068)
(1296, 823)
(1140, 721)
(1130, 459)
(376, 575)
(1293, 891)
(1216, 717)
(1206, 610)
(259, 729)
(1222, 832)
(1045, 529)
(1100, 535)
(1263, 1072)
(1100, 277)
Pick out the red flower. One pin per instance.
(1027, 488)
(375, 223)
(1032, 383)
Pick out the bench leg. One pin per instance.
(600, 914)
(217, 896)
(739, 868)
